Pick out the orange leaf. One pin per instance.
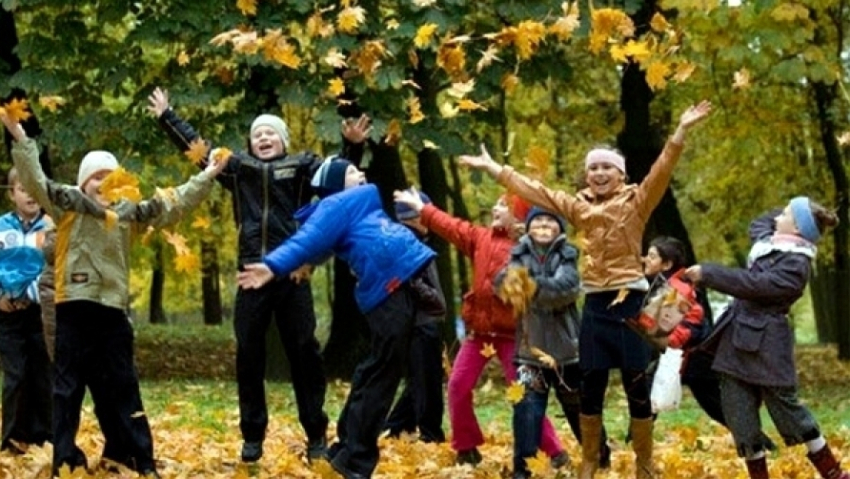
(247, 7)
(488, 351)
(621, 296)
(186, 263)
(119, 185)
(539, 465)
(201, 223)
(198, 151)
(222, 155)
(17, 110)
(52, 103)
(515, 392)
(178, 241)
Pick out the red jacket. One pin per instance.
(489, 249)
(683, 332)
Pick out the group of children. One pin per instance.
(552, 345)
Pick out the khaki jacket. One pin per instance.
(613, 227)
(92, 250)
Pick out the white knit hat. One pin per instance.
(274, 122)
(93, 162)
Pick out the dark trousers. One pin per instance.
(27, 380)
(291, 305)
(531, 409)
(635, 384)
(374, 384)
(94, 348)
(704, 384)
(421, 403)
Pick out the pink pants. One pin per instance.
(466, 370)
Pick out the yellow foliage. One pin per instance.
(488, 351)
(656, 75)
(368, 58)
(198, 151)
(277, 48)
(336, 87)
(247, 7)
(469, 105)
(539, 465)
(509, 82)
(537, 162)
(515, 392)
(120, 184)
(350, 18)
(452, 59)
(202, 223)
(517, 289)
(659, 23)
(424, 34)
(183, 58)
(414, 110)
(52, 103)
(17, 110)
(789, 11)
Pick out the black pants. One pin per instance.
(374, 383)
(291, 305)
(421, 403)
(704, 384)
(27, 378)
(94, 348)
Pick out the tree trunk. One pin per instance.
(210, 286)
(156, 313)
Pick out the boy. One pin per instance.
(268, 185)
(94, 339)
(349, 221)
(27, 388)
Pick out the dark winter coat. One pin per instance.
(552, 322)
(430, 300)
(266, 193)
(753, 340)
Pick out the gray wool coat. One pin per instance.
(753, 339)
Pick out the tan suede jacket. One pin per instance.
(613, 227)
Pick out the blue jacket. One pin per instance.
(352, 225)
(14, 234)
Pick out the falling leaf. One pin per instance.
(52, 103)
(17, 110)
(529, 36)
(537, 162)
(540, 465)
(187, 263)
(515, 392)
(621, 296)
(392, 24)
(148, 234)
(350, 18)
(488, 351)
(487, 58)
(183, 58)
(430, 145)
(844, 139)
(414, 109)
(336, 87)
(411, 83)
(201, 223)
(178, 241)
(119, 185)
(656, 75)
(517, 288)
(461, 89)
(277, 48)
(452, 59)
(168, 195)
(683, 72)
(742, 79)
(247, 7)
(111, 219)
(198, 151)
(469, 105)
(424, 34)
(659, 23)
(544, 357)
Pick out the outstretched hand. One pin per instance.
(15, 128)
(356, 131)
(694, 273)
(695, 114)
(158, 102)
(482, 162)
(254, 276)
(409, 198)
(217, 161)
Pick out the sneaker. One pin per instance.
(252, 451)
(468, 456)
(317, 448)
(562, 459)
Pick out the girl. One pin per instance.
(754, 342)
(613, 216)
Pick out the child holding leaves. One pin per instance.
(546, 334)
(94, 338)
(490, 322)
(613, 216)
(754, 342)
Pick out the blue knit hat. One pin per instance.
(536, 211)
(19, 267)
(330, 177)
(404, 212)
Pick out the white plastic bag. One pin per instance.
(666, 391)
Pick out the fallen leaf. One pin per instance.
(539, 465)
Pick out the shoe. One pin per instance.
(317, 448)
(150, 474)
(468, 456)
(346, 472)
(252, 451)
(521, 475)
(331, 451)
(562, 459)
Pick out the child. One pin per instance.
(550, 326)
(27, 385)
(94, 339)
(349, 221)
(421, 402)
(268, 185)
(490, 323)
(613, 216)
(754, 341)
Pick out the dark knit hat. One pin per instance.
(536, 211)
(330, 177)
(404, 212)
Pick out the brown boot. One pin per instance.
(642, 444)
(827, 465)
(758, 468)
(591, 432)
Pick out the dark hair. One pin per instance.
(672, 250)
(823, 217)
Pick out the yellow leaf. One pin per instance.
(659, 23)
(201, 223)
(336, 87)
(515, 392)
(621, 296)
(368, 58)
(447, 110)
(529, 36)
(392, 24)
(247, 7)
(146, 237)
(656, 75)
(167, 194)
(111, 219)
(537, 162)
(222, 155)
(430, 145)
(742, 79)
(844, 139)
(414, 109)
(183, 58)
(539, 465)
(424, 34)
(335, 59)
(186, 263)
(517, 289)
(607, 22)
(544, 357)
(350, 18)
(488, 351)
(487, 58)
(178, 241)
(277, 48)
(17, 110)
(393, 134)
(452, 59)
(683, 72)
(461, 89)
(198, 151)
(52, 103)
(469, 105)
(120, 184)
(509, 82)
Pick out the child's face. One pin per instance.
(502, 216)
(604, 179)
(543, 229)
(266, 143)
(785, 223)
(25, 205)
(92, 186)
(353, 177)
(653, 263)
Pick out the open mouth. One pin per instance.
(265, 149)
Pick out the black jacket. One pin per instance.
(266, 193)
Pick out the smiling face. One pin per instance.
(266, 143)
(604, 179)
(785, 223)
(353, 177)
(92, 186)
(543, 229)
(25, 205)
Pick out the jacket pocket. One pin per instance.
(748, 334)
